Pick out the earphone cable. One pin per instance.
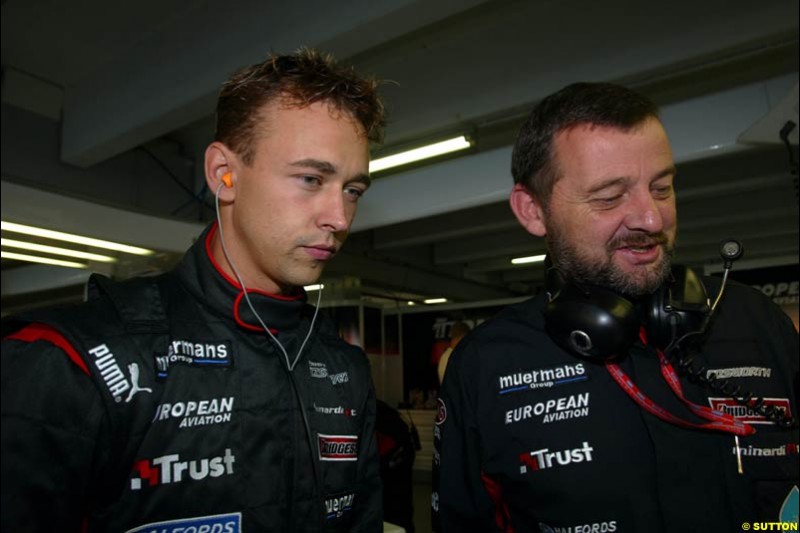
(289, 365)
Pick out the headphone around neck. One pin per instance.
(598, 323)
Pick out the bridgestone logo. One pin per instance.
(748, 416)
(112, 374)
(338, 447)
(542, 378)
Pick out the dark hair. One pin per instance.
(302, 78)
(600, 104)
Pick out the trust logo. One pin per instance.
(543, 459)
(169, 469)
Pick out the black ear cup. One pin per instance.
(679, 306)
(592, 322)
(598, 323)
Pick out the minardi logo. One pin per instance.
(337, 506)
(542, 378)
(747, 415)
(544, 458)
(196, 413)
(169, 469)
(112, 374)
(338, 447)
(338, 410)
(783, 450)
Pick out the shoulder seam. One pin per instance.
(42, 332)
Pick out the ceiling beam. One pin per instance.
(165, 82)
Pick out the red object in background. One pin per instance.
(437, 349)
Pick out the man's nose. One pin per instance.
(644, 214)
(334, 216)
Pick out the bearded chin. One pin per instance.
(578, 268)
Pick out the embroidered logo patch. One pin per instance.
(194, 353)
(221, 523)
(337, 447)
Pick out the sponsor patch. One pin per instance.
(320, 371)
(441, 412)
(746, 415)
(221, 523)
(169, 469)
(337, 447)
(785, 450)
(553, 410)
(544, 459)
(194, 353)
(115, 379)
(542, 378)
(109, 369)
(338, 410)
(740, 372)
(595, 527)
(338, 506)
(194, 413)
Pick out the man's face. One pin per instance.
(611, 219)
(294, 204)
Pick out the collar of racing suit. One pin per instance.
(224, 295)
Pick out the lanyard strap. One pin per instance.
(717, 420)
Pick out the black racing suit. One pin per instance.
(530, 438)
(162, 406)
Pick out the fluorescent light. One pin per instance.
(37, 259)
(77, 239)
(411, 302)
(314, 287)
(529, 259)
(435, 300)
(418, 154)
(11, 243)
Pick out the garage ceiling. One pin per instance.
(107, 108)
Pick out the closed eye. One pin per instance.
(310, 181)
(606, 202)
(354, 192)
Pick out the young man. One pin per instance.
(538, 431)
(186, 403)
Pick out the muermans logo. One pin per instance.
(192, 353)
(542, 378)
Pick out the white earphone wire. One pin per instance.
(289, 365)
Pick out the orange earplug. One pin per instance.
(227, 179)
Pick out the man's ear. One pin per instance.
(528, 210)
(221, 165)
